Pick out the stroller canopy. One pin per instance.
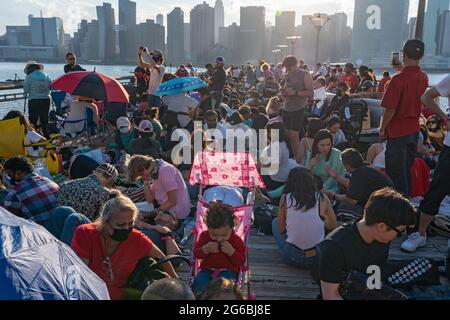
(34, 265)
(225, 169)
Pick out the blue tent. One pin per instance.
(34, 265)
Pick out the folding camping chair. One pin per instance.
(58, 98)
(12, 143)
(232, 170)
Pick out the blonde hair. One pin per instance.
(118, 203)
(137, 165)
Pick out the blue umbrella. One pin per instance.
(34, 265)
(180, 85)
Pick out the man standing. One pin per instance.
(157, 73)
(72, 65)
(297, 89)
(400, 123)
(217, 82)
(440, 186)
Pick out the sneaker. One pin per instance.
(414, 242)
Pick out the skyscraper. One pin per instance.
(432, 25)
(175, 36)
(46, 32)
(151, 35)
(160, 19)
(106, 34)
(127, 25)
(219, 18)
(378, 29)
(251, 34)
(187, 41)
(229, 39)
(284, 26)
(202, 32)
(444, 48)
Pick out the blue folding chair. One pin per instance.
(58, 98)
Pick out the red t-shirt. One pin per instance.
(87, 244)
(403, 94)
(382, 84)
(350, 79)
(220, 260)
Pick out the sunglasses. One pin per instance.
(431, 122)
(108, 264)
(399, 233)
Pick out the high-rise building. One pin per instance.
(284, 27)
(432, 25)
(160, 19)
(151, 35)
(78, 37)
(18, 35)
(378, 29)
(229, 39)
(187, 41)
(106, 32)
(127, 25)
(89, 48)
(412, 25)
(202, 32)
(340, 36)
(444, 49)
(219, 18)
(251, 33)
(46, 32)
(175, 36)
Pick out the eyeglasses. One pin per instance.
(107, 262)
(399, 233)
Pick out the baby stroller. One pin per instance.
(232, 170)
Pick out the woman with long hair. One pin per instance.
(323, 156)
(304, 214)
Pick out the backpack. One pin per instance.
(264, 215)
(440, 226)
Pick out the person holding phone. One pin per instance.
(158, 70)
(400, 122)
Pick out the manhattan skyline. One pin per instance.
(15, 12)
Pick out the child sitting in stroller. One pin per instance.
(221, 250)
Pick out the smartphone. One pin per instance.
(396, 59)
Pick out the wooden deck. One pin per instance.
(273, 280)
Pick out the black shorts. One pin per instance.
(294, 121)
(440, 186)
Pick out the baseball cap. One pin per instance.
(220, 60)
(414, 49)
(146, 126)
(109, 170)
(123, 122)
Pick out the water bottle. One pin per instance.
(189, 226)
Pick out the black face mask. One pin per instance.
(120, 235)
(156, 59)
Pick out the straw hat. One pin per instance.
(33, 63)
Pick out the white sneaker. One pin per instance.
(415, 241)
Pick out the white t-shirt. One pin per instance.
(320, 94)
(30, 138)
(281, 166)
(155, 79)
(181, 103)
(443, 88)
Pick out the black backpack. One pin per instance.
(264, 215)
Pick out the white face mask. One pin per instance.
(124, 130)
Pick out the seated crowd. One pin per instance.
(138, 203)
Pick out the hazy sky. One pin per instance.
(15, 12)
